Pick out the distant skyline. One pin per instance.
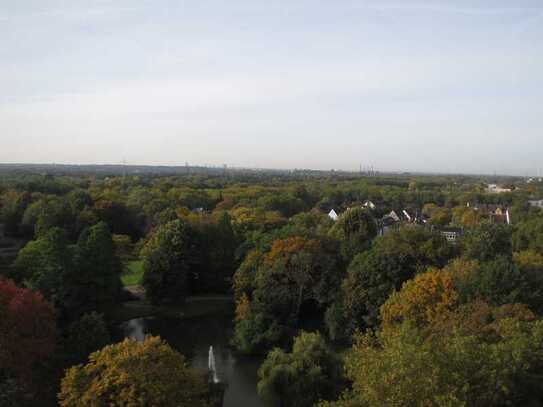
(427, 86)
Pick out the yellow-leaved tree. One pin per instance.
(426, 296)
(130, 373)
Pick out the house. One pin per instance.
(394, 216)
(451, 234)
(495, 189)
(495, 213)
(369, 204)
(388, 223)
(333, 215)
(536, 203)
(411, 215)
(501, 216)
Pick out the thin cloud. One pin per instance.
(71, 14)
(450, 9)
(527, 23)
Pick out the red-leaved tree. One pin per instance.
(27, 331)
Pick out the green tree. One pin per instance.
(466, 217)
(440, 217)
(168, 257)
(85, 336)
(531, 266)
(245, 220)
(487, 242)
(244, 277)
(43, 263)
(93, 283)
(528, 235)
(309, 373)
(310, 224)
(256, 332)
(79, 278)
(355, 229)
(403, 367)
(285, 204)
(120, 220)
(373, 275)
(296, 273)
(216, 244)
(499, 282)
(129, 373)
(78, 199)
(45, 213)
(80, 204)
(12, 207)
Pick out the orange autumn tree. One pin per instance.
(480, 319)
(426, 296)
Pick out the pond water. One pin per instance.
(193, 337)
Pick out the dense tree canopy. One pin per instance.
(311, 372)
(528, 235)
(85, 336)
(168, 259)
(487, 242)
(400, 367)
(354, 229)
(78, 278)
(439, 322)
(295, 272)
(93, 282)
(421, 300)
(27, 332)
(134, 374)
(216, 244)
(43, 263)
(373, 275)
(13, 204)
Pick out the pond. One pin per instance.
(193, 337)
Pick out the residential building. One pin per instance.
(451, 234)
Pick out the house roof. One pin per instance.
(450, 229)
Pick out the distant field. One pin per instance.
(134, 273)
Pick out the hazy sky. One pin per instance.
(453, 86)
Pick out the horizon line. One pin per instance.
(264, 169)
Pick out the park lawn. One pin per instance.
(133, 273)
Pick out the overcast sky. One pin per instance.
(450, 86)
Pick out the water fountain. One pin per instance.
(211, 366)
(216, 386)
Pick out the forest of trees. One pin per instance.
(343, 313)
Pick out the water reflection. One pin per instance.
(193, 337)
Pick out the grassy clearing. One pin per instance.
(133, 274)
(194, 306)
